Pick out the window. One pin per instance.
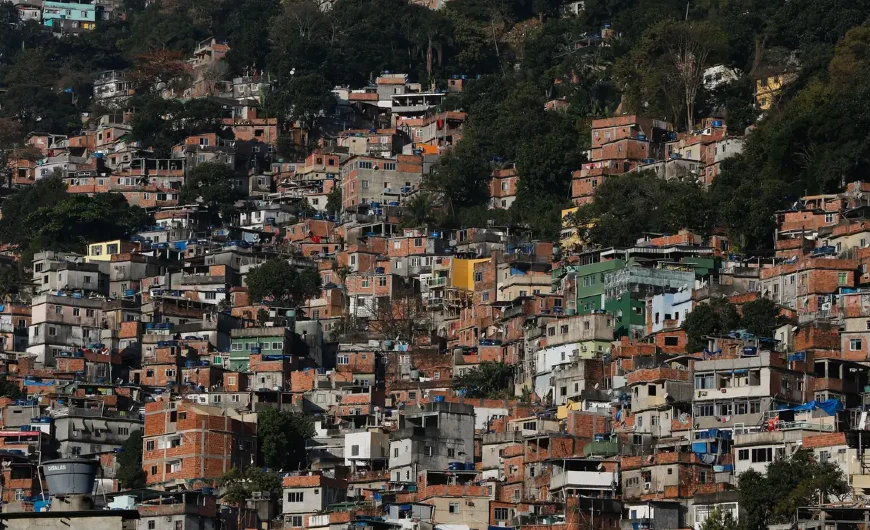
(651, 390)
(453, 507)
(58, 309)
(563, 329)
(485, 297)
(52, 331)
(412, 395)
(854, 344)
(382, 281)
(395, 452)
(210, 295)
(829, 218)
(705, 410)
(843, 278)
(451, 452)
(152, 524)
(428, 451)
(87, 279)
(153, 470)
(170, 372)
(672, 341)
(76, 311)
(354, 450)
(743, 454)
(296, 521)
(295, 496)
(365, 282)
(501, 514)
(236, 346)
(149, 445)
(761, 455)
(123, 431)
(342, 359)
(703, 381)
(478, 276)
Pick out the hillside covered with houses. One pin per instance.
(434, 264)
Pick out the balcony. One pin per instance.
(437, 282)
(583, 480)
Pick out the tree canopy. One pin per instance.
(45, 217)
(281, 284)
(282, 437)
(792, 482)
(130, 473)
(489, 379)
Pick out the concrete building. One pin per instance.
(430, 437)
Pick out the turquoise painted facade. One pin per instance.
(55, 12)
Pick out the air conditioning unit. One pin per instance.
(826, 306)
(646, 486)
(257, 495)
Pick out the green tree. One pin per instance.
(304, 98)
(211, 184)
(419, 211)
(333, 200)
(46, 192)
(10, 388)
(489, 379)
(664, 72)
(761, 317)
(789, 483)
(720, 520)
(627, 206)
(281, 284)
(77, 220)
(717, 317)
(130, 473)
(283, 436)
(239, 486)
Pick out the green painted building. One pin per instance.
(590, 284)
(245, 342)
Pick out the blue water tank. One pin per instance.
(439, 399)
(717, 123)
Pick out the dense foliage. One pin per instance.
(130, 473)
(489, 379)
(517, 55)
(790, 483)
(238, 486)
(278, 283)
(718, 317)
(282, 437)
(45, 217)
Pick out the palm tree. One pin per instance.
(418, 211)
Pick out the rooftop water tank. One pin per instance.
(70, 476)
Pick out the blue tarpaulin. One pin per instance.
(830, 406)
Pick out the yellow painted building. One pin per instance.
(104, 250)
(462, 275)
(768, 88)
